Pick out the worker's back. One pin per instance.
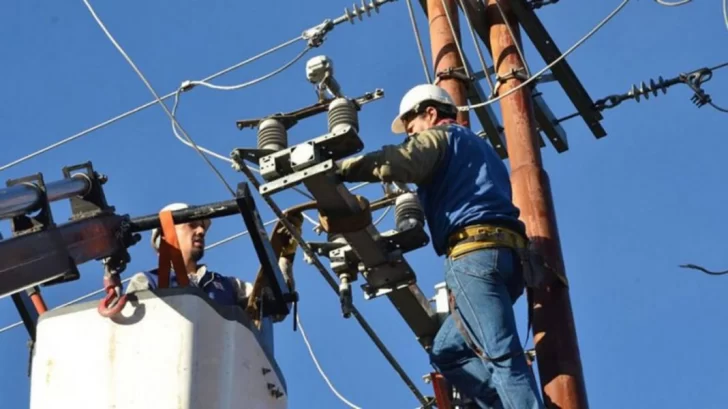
(470, 186)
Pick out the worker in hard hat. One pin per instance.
(191, 237)
(465, 192)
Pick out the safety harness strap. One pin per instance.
(170, 253)
(483, 236)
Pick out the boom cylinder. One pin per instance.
(25, 198)
(193, 213)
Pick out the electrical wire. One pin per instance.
(257, 80)
(318, 366)
(717, 107)
(546, 68)
(455, 38)
(156, 96)
(684, 2)
(419, 42)
(673, 4)
(384, 214)
(247, 171)
(145, 106)
(175, 106)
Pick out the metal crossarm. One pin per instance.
(377, 256)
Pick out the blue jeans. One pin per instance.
(486, 283)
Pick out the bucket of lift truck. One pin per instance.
(168, 348)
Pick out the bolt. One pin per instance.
(265, 371)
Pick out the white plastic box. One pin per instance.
(170, 349)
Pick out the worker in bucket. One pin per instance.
(465, 191)
(191, 236)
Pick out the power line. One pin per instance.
(318, 367)
(145, 106)
(673, 4)
(314, 36)
(477, 46)
(151, 89)
(175, 106)
(548, 67)
(418, 39)
(255, 81)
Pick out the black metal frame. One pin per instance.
(94, 201)
(291, 118)
(26, 309)
(562, 70)
(282, 298)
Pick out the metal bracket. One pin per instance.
(26, 309)
(43, 221)
(516, 73)
(24, 224)
(94, 201)
(562, 70)
(457, 73)
(549, 124)
(291, 118)
(62, 248)
(324, 248)
(253, 155)
(279, 167)
(316, 35)
(281, 297)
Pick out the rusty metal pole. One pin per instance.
(557, 349)
(445, 57)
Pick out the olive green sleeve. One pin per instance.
(413, 161)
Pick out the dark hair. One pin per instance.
(443, 111)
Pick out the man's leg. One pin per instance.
(480, 282)
(452, 357)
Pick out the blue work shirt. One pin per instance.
(461, 179)
(224, 290)
(471, 185)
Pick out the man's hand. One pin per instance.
(335, 223)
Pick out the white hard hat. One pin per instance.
(156, 233)
(416, 96)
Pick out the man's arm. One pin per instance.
(411, 162)
(243, 289)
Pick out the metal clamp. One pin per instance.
(515, 73)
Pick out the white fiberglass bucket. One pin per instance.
(169, 349)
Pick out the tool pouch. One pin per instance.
(534, 272)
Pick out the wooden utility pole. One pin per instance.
(557, 349)
(445, 56)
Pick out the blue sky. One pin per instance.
(631, 207)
